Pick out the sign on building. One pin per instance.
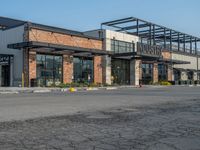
(149, 50)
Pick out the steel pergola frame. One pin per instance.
(155, 34)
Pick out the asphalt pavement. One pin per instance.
(149, 118)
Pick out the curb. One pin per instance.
(42, 91)
(9, 92)
(111, 88)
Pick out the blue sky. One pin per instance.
(82, 15)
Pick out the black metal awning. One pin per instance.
(57, 48)
(134, 55)
(179, 69)
(173, 61)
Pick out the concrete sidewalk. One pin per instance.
(18, 90)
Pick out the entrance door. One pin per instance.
(5, 75)
(121, 71)
(147, 73)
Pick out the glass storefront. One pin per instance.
(49, 70)
(190, 75)
(121, 46)
(5, 70)
(83, 70)
(121, 71)
(147, 73)
(177, 75)
(162, 72)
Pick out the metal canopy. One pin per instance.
(8, 22)
(174, 61)
(57, 48)
(155, 34)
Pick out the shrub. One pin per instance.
(165, 83)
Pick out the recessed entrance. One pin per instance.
(83, 70)
(121, 71)
(5, 69)
(147, 73)
(5, 75)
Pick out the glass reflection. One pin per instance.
(83, 70)
(49, 70)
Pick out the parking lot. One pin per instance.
(129, 118)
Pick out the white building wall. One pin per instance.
(182, 57)
(10, 36)
(119, 36)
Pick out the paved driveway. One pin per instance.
(25, 106)
(128, 119)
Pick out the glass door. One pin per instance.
(121, 71)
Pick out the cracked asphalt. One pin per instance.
(170, 120)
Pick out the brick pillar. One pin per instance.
(67, 69)
(169, 72)
(98, 77)
(135, 72)
(26, 67)
(155, 72)
(32, 66)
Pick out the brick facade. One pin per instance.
(98, 77)
(67, 69)
(169, 72)
(166, 55)
(25, 75)
(32, 65)
(63, 39)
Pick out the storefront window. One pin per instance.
(83, 70)
(162, 72)
(121, 71)
(190, 75)
(121, 46)
(49, 70)
(147, 73)
(177, 75)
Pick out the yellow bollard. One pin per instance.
(72, 89)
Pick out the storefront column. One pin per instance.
(155, 72)
(135, 71)
(98, 77)
(25, 75)
(32, 66)
(169, 72)
(67, 69)
(195, 76)
(107, 70)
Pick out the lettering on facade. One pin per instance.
(149, 50)
(4, 59)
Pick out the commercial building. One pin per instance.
(32, 54)
(146, 53)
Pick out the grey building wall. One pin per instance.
(13, 35)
